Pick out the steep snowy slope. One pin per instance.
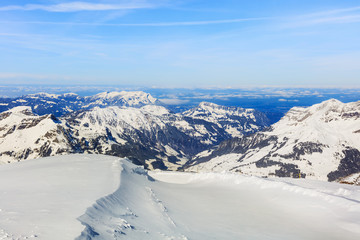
(319, 142)
(235, 120)
(24, 135)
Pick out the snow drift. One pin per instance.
(113, 199)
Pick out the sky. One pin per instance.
(181, 43)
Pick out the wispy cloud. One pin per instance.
(77, 6)
(334, 16)
(155, 24)
(336, 11)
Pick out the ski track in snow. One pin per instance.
(174, 205)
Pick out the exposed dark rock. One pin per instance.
(349, 164)
(289, 170)
(4, 115)
(303, 148)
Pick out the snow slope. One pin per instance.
(222, 206)
(42, 198)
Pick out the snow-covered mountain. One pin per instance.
(318, 142)
(146, 135)
(149, 135)
(235, 120)
(61, 104)
(123, 98)
(24, 135)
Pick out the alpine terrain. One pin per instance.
(125, 124)
(319, 142)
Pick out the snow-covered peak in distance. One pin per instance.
(237, 121)
(125, 98)
(330, 110)
(329, 122)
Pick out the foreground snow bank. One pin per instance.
(43, 198)
(173, 205)
(48, 199)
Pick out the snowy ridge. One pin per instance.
(114, 199)
(128, 213)
(320, 142)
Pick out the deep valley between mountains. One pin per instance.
(319, 142)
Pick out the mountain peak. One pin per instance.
(327, 111)
(126, 98)
(329, 104)
(208, 104)
(25, 110)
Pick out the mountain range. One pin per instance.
(318, 142)
(125, 124)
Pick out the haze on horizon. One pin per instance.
(180, 43)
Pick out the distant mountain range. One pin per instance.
(125, 124)
(319, 142)
(61, 104)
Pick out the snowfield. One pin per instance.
(102, 197)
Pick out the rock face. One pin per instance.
(319, 142)
(149, 134)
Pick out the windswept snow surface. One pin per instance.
(42, 198)
(48, 198)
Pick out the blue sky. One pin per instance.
(181, 43)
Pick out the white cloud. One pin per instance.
(288, 100)
(77, 6)
(336, 11)
(173, 101)
(155, 24)
(334, 16)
